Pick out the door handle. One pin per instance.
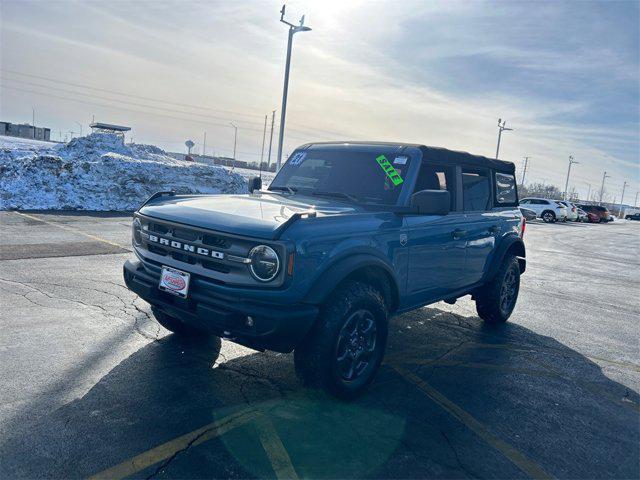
(458, 233)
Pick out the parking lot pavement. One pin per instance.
(92, 386)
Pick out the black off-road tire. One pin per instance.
(174, 325)
(548, 216)
(491, 304)
(317, 358)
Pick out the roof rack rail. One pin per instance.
(170, 193)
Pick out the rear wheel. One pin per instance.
(548, 216)
(496, 300)
(344, 350)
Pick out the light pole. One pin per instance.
(566, 185)
(273, 118)
(235, 141)
(524, 171)
(80, 125)
(604, 176)
(588, 192)
(292, 30)
(501, 127)
(264, 136)
(635, 202)
(624, 187)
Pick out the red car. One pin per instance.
(593, 217)
(596, 213)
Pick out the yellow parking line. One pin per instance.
(516, 457)
(172, 447)
(71, 229)
(280, 460)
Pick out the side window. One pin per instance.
(525, 202)
(476, 190)
(505, 189)
(437, 177)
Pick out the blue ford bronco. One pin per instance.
(346, 235)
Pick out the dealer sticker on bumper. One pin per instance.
(175, 282)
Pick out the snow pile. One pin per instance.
(99, 172)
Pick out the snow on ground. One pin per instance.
(267, 177)
(99, 172)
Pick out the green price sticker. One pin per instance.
(391, 172)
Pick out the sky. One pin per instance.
(565, 75)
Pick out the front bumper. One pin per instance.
(278, 327)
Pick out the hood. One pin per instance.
(254, 215)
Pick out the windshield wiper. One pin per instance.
(284, 188)
(337, 194)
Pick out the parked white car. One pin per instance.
(572, 210)
(547, 209)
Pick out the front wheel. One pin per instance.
(343, 351)
(548, 216)
(497, 299)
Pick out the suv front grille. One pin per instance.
(215, 241)
(183, 244)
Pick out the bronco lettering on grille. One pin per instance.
(186, 247)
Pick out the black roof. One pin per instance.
(431, 153)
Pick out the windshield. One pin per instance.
(365, 177)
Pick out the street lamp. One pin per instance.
(588, 192)
(604, 176)
(624, 187)
(292, 30)
(566, 185)
(501, 127)
(235, 141)
(524, 171)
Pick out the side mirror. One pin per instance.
(431, 202)
(255, 183)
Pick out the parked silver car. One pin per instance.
(572, 210)
(547, 209)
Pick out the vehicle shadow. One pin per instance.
(545, 400)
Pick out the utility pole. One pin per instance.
(204, 144)
(624, 187)
(283, 110)
(33, 120)
(501, 127)
(566, 185)
(604, 176)
(273, 119)
(264, 136)
(235, 141)
(635, 202)
(524, 171)
(588, 192)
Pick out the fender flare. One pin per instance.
(510, 243)
(344, 266)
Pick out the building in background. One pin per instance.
(109, 128)
(24, 130)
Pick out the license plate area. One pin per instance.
(174, 281)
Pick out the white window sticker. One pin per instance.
(401, 160)
(298, 158)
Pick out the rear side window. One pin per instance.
(505, 189)
(476, 190)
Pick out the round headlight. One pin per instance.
(136, 231)
(265, 263)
